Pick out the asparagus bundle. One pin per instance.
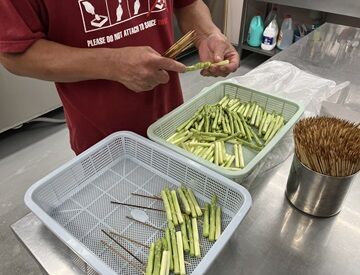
(227, 122)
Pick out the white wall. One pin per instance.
(234, 12)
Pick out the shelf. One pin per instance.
(344, 7)
(259, 50)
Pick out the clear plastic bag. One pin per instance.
(286, 80)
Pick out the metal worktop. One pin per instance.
(274, 238)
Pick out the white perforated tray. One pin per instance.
(74, 200)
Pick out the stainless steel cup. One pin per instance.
(316, 194)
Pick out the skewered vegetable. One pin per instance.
(180, 253)
(190, 234)
(177, 207)
(157, 260)
(212, 218)
(150, 263)
(174, 248)
(218, 223)
(196, 237)
(206, 221)
(185, 237)
(205, 65)
(184, 201)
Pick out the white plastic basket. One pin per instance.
(74, 200)
(163, 128)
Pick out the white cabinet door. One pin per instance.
(22, 99)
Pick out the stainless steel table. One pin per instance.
(274, 238)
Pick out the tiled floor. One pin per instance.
(29, 153)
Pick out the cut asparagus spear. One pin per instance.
(196, 237)
(180, 253)
(150, 261)
(174, 248)
(218, 223)
(241, 156)
(166, 205)
(164, 263)
(177, 207)
(194, 201)
(172, 207)
(206, 221)
(169, 257)
(157, 261)
(212, 218)
(190, 234)
(184, 201)
(192, 206)
(168, 239)
(185, 237)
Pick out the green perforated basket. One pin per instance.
(166, 126)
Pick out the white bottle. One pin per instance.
(286, 35)
(269, 36)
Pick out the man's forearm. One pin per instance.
(51, 61)
(196, 16)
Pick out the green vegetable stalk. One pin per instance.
(185, 237)
(180, 253)
(196, 237)
(212, 218)
(206, 221)
(166, 205)
(150, 261)
(218, 223)
(184, 201)
(198, 66)
(191, 204)
(172, 207)
(195, 202)
(177, 207)
(174, 248)
(190, 234)
(158, 254)
(164, 263)
(168, 240)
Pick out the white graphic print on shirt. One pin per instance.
(101, 14)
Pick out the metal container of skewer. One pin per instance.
(320, 178)
(314, 193)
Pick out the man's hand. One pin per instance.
(141, 68)
(216, 48)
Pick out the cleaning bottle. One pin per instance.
(272, 14)
(270, 35)
(286, 35)
(256, 30)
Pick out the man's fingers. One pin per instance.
(219, 52)
(168, 64)
(162, 77)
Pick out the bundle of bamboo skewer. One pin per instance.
(184, 43)
(328, 145)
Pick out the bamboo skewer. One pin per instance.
(137, 206)
(113, 250)
(147, 196)
(123, 247)
(146, 224)
(128, 239)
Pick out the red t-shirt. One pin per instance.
(97, 108)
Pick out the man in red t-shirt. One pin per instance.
(105, 57)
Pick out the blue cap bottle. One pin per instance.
(256, 30)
